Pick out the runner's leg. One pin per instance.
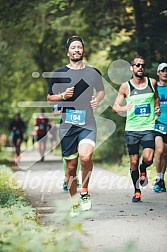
(85, 153)
(71, 165)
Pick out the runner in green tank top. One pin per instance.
(142, 103)
(142, 116)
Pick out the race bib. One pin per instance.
(161, 127)
(75, 116)
(142, 110)
(17, 132)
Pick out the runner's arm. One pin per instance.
(117, 107)
(156, 98)
(62, 96)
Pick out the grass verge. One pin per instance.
(20, 231)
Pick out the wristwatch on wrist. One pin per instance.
(62, 97)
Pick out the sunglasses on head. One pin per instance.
(138, 65)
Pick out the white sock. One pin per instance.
(162, 176)
(159, 176)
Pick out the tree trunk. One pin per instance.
(139, 27)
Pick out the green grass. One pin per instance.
(20, 231)
(5, 156)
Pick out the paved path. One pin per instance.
(114, 220)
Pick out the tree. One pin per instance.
(33, 36)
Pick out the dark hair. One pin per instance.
(72, 39)
(17, 115)
(137, 57)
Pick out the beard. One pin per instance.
(77, 59)
(140, 76)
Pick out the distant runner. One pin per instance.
(42, 127)
(17, 128)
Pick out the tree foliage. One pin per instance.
(33, 35)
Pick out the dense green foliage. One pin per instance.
(33, 35)
(6, 156)
(20, 230)
(7, 195)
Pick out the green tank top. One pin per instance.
(141, 117)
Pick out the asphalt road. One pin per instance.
(114, 220)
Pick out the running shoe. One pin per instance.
(159, 186)
(65, 187)
(143, 179)
(163, 188)
(75, 210)
(136, 197)
(17, 159)
(86, 203)
(42, 159)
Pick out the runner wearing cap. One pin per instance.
(161, 130)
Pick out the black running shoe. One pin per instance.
(136, 197)
(163, 188)
(157, 185)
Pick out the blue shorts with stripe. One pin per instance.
(71, 137)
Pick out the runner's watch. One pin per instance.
(63, 97)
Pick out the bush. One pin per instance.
(20, 231)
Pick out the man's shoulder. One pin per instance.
(125, 85)
(154, 82)
(97, 70)
(147, 78)
(62, 69)
(123, 90)
(55, 73)
(91, 68)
